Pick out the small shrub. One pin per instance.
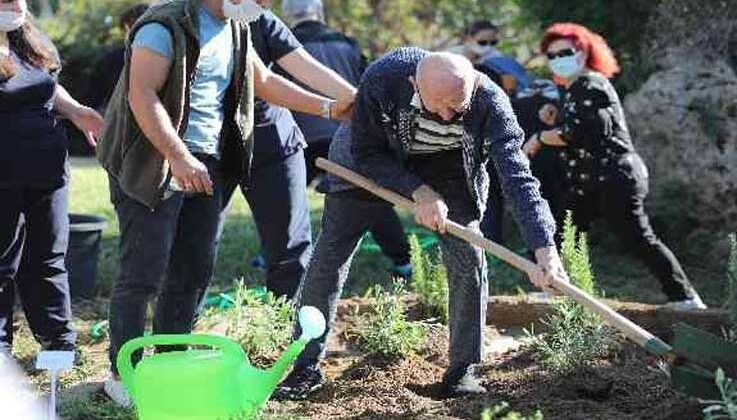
(99, 408)
(726, 408)
(384, 329)
(261, 325)
(502, 412)
(575, 254)
(577, 336)
(429, 281)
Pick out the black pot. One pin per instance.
(85, 235)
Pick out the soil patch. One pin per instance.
(628, 385)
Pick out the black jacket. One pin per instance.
(336, 51)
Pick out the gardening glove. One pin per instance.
(550, 268)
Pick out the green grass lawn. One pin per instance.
(618, 274)
(240, 242)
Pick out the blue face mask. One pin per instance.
(566, 67)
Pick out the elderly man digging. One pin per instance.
(425, 125)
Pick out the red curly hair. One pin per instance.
(600, 56)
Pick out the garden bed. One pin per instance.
(627, 385)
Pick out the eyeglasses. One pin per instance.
(487, 42)
(562, 53)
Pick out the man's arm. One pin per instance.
(148, 73)
(277, 90)
(504, 138)
(305, 68)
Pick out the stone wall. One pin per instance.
(684, 123)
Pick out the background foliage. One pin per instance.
(83, 29)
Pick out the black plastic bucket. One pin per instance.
(85, 235)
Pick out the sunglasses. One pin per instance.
(487, 42)
(562, 53)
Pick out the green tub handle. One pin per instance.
(126, 370)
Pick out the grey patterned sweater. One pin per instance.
(377, 143)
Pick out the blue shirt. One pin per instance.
(276, 133)
(212, 77)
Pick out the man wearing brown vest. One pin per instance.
(181, 118)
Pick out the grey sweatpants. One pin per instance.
(346, 220)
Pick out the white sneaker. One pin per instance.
(115, 390)
(692, 304)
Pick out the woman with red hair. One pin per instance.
(605, 176)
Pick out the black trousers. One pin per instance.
(166, 255)
(548, 169)
(277, 197)
(34, 234)
(619, 200)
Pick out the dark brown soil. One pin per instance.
(626, 386)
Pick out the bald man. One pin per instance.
(425, 125)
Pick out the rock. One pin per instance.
(683, 121)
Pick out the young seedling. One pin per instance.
(576, 335)
(502, 411)
(429, 281)
(726, 408)
(260, 324)
(384, 330)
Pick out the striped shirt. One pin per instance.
(432, 136)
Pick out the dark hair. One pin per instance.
(480, 25)
(131, 14)
(32, 47)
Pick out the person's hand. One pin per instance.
(430, 209)
(89, 122)
(342, 109)
(548, 114)
(550, 269)
(191, 174)
(532, 146)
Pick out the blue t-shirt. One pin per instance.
(212, 77)
(276, 133)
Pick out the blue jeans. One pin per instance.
(34, 233)
(168, 254)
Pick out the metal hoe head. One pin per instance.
(698, 355)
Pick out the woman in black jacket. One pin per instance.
(605, 176)
(34, 224)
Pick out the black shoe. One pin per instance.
(300, 383)
(460, 381)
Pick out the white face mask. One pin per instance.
(10, 21)
(246, 12)
(480, 50)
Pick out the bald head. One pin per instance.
(445, 82)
